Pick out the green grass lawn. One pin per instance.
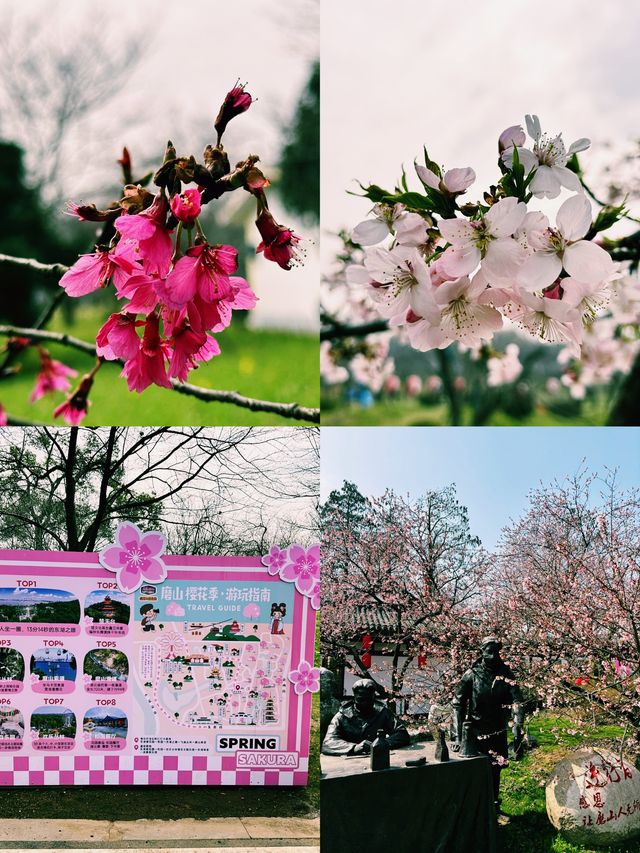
(523, 793)
(408, 411)
(269, 365)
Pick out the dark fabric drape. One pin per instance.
(438, 808)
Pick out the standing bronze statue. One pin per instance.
(354, 728)
(488, 697)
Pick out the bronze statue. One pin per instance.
(354, 728)
(486, 698)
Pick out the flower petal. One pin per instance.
(505, 217)
(545, 184)
(539, 271)
(574, 217)
(458, 232)
(370, 232)
(588, 262)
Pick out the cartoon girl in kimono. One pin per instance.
(278, 612)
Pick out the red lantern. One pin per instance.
(365, 650)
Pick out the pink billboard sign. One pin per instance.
(201, 676)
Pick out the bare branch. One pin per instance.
(208, 395)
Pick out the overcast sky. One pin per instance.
(453, 75)
(493, 468)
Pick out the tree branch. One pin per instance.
(208, 395)
(47, 270)
(335, 330)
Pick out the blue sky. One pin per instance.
(493, 468)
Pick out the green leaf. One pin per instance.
(430, 164)
(607, 217)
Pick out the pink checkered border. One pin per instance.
(143, 770)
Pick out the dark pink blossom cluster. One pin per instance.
(174, 297)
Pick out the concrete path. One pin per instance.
(234, 834)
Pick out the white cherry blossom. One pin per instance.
(564, 247)
(487, 239)
(549, 159)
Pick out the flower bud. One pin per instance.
(216, 161)
(125, 162)
(513, 136)
(237, 101)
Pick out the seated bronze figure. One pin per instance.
(354, 728)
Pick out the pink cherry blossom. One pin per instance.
(237, 101)
(118, 338)
(135, 557)
(186, 206)
(91, 272)
(204, 271)
(147, 366)
(75, 408)
(148, 232)
(305, 679)
(454, 182)
(3, 416)
(53, 376)
(186, 344)
(278, 243)
(275, 559)
(302, 567)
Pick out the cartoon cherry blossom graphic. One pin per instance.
(275, 559)
(305, 679)
(302, 567)
(135, 557)
(314, 596)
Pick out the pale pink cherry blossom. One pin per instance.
(564, 247)
(549, 159)
(135, 557)
(369, 232)
(411, 230)
(331, 372)
(463, 318)
(401, 277)
(414, 385)
(549, 319)
(504, 368)
(424, 332)
(487, 240)
(512, 136)
(373, 369)
(587, 299)
(454, 182)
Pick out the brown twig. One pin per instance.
(208, 395)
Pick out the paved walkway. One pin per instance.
(239, 835)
